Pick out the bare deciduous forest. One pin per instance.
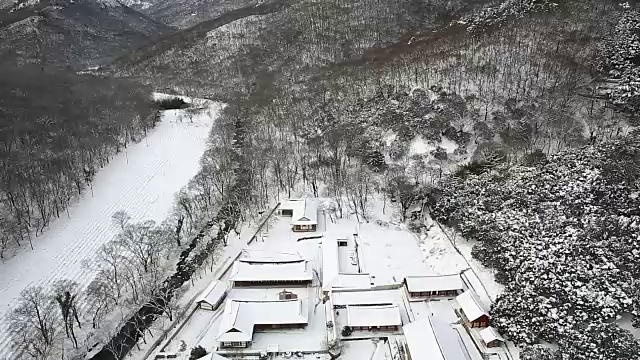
(57, 130)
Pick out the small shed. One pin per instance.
(212, 296)
(374, 318)
(491, 337)
(305, 219)
(472, 311)
(434, 285)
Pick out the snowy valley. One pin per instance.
(335, 179)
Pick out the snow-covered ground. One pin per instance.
(625, 323)
(420, 146)
(202, 327)
(358, 349)
(484, 281)
(142, 181)
(386, 250)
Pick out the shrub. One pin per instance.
(346, 331)
(197, 352)
(172, 103)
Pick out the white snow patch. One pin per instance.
(388, 137)
(358, 350)
(440, 256)
(420, 146)
(625, 323)
(449, 145)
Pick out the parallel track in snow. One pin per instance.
(141, 181)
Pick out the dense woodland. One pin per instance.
(537, 97)
(562, 234)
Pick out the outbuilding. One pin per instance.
(341, 298)
(290, 207)
(432, 338)
(305, 218)
(434, 286)
(472, 311)
(491, 337)
(212, 296)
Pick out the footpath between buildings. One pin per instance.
(183, 317)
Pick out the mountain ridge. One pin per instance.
(78, 33)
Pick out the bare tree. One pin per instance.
(100, 300)
(406, 191)
(65, 293)
(109, 263)
(34, 323)
(121, 219)
(144, 241)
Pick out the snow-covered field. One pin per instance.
(142, 181)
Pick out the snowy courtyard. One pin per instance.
(342, 252)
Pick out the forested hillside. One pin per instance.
(81, 33)
(56, 131)
(185, 13)
(59, 127)
(563, 236)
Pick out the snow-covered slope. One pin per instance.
(185, 13)
(72, 32)
(141, 181)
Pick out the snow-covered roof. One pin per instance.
(434, 283)
(331, 277)
(383, 315)
(296, 205)
(307, 215)
(213, 356)
(297, 271)
(352, 281)
(329, 262)
(366, 297)
(431, 338)
(268, 256)
(213, 293)
(490, 334)
(240, 317)
(471, 306)
(234, 327)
